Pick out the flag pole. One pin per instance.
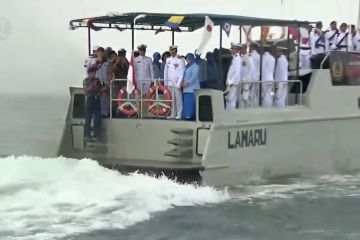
(132, 38)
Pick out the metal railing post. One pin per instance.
(298, 94)
(111, 99)
(139, 104)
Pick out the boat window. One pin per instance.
(205, 109)
(79, 106)
(344, 68)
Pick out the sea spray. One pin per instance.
(44, 198)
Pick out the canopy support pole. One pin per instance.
(132, 37)
(89, 41)
(288, 44)
(221, 36)
(261, 52)
(298, 52)
(240, 34)
(222, 80)
(298, 65)
(172, 37)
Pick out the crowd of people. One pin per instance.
(317, 41)
(182, 75)
(237, 70)
(179, 74)
(244, 74)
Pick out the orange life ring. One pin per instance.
(158, 108)
(129, 108)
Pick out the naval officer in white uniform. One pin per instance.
(267, 77)
(247, 73)
(143, 69)
(317, 40)
(342, 40)
(355, 38)
(174, 73)
(330, 36)
(233, 77)
(305, 48)
(254, 89)
(281, 77)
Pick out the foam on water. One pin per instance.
(314, 187)
(42, 198)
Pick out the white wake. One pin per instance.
(43, 198)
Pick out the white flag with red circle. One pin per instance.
(208, 29)
(131, 81)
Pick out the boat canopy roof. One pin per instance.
(190, 22)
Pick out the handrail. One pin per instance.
(258, 83)
(325, 58)
(142, 99)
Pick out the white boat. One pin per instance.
(318, 133)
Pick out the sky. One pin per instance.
(40, 55)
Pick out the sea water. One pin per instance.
(44, 196)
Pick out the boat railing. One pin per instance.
(258, 89)
(137, 100)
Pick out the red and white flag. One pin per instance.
(131, 81)
(208, 29)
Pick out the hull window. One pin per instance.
(79, 106)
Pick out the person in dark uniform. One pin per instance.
(92, 104)
(120, 70)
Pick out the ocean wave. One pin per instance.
(47, 198)
(321, 186)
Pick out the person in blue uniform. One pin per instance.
(156, 65)
(203, 78)
(191, 81)
(164, 57)
(92, 86)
